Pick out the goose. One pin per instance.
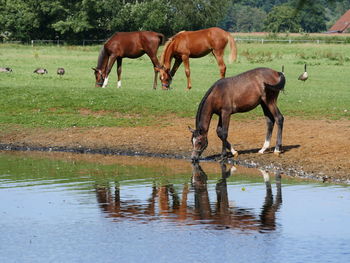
(5, 70)
(60, 71)
(40, 71)
(304, 76)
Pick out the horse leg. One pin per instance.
(152, 55)
(222, 132)
(270, 121)
(108, 70)
(175, 67)
(186, 61)
(219, 55)
(279, 119)
(119, 71)
(155, 79)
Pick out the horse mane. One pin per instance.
(166, 45)
(201, 104)
(102, 54)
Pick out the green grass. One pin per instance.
(30, 100)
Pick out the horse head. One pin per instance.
(199, 142)
(164, 76)
(100, 77)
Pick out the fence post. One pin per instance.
(290, 41)
(32, 41)
(262, 41)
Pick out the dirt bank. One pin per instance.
(313, 148)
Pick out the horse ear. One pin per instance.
(94, 69)
(191, 130)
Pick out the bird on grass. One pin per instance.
(60, 71)
(5, 70)
(304, 76)
(40, 71)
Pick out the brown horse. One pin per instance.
(195, 44)
(127, 45)
(241, 93)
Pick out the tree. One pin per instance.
(313, 17)
(283, 18)
(242, 18)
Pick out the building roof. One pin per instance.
(342, 24)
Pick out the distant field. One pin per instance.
(72, 100)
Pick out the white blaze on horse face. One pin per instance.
(119, 84)
(194, 141)
(234, 152)
(265, 146)
(105, 82)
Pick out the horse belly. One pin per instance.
(199, 54)
(134, 54)
(245, 102)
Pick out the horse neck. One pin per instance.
(167, 55)
(102, 59)
(203, 117)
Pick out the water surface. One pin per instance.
(93, 208)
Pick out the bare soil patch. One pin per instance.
(313, 148)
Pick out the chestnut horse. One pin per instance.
(127, 45)
(241, 93)
(195, 44)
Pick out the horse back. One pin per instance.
(200, 42)
(133, 44)
(245, 91)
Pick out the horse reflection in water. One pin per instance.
(234, 217)
(165, 203)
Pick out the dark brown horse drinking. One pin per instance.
(241, 93)
(127, 45)
(195, 44)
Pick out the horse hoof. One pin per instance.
(278, 153)
(261, 151)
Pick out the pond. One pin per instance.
(59, 207)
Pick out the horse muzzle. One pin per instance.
(195, 155)
(166, 85)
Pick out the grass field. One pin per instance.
(30, 100)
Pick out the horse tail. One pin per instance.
(161, 38)
(233, 47)
(280, 85)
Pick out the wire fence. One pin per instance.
(89, 42)
(59, 42)
(289, 41)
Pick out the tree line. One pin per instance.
(98, 19)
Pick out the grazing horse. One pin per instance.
(127, 45)
(241, 93)
(195, 44)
